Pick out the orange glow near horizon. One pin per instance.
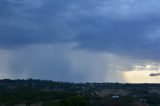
(140, 77)
(141, 74)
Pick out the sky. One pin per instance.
(80, 41)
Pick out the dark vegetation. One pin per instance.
(48, 93)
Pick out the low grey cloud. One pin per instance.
(116, 26)
(154, 74)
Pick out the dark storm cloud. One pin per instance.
(120, 37)
(114, 26)
(27, 22)
(33, 22)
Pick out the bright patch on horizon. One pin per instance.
(143, 74)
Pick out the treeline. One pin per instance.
(53, 85)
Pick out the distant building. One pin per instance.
(115, 97)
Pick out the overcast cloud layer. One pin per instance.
(75, 40)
